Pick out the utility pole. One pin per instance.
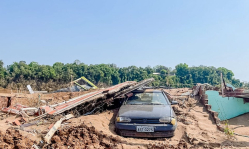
(221, 81)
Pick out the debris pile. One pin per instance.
(82, 136)
(82, 105)
(86, 120)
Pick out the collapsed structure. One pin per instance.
(223, 104)
(81, 83)
(81, 105)
(97, 128)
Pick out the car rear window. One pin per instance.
(151, 98)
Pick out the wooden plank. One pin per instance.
(56, 126)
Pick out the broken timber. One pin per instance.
(51, 132)
(132, 88)
(89, 101)
(91, 96)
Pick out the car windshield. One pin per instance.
(152, 98)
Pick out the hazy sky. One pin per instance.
(127, 32)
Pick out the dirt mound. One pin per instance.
(13, 139)
(82, 137)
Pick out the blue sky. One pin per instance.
(128, 32)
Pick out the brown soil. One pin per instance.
(31, 100)
(196, 129)
(243, 128)
(14, 139)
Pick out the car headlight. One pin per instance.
(165, 120)
(168, 120)
(173, 121)
(123, 119)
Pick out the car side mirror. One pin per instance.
(174, 103)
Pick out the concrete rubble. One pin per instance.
(87, 121)
(74, 105)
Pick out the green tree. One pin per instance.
(110, 74)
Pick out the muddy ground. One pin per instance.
(31, 100)
(196, 128)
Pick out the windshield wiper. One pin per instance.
(155, 104)
(133, 104)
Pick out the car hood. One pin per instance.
(145, 111)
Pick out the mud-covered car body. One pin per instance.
(146, 113)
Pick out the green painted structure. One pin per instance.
(227, 107)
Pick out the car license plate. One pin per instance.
(145, 129)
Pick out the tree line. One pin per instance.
(19, 74)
